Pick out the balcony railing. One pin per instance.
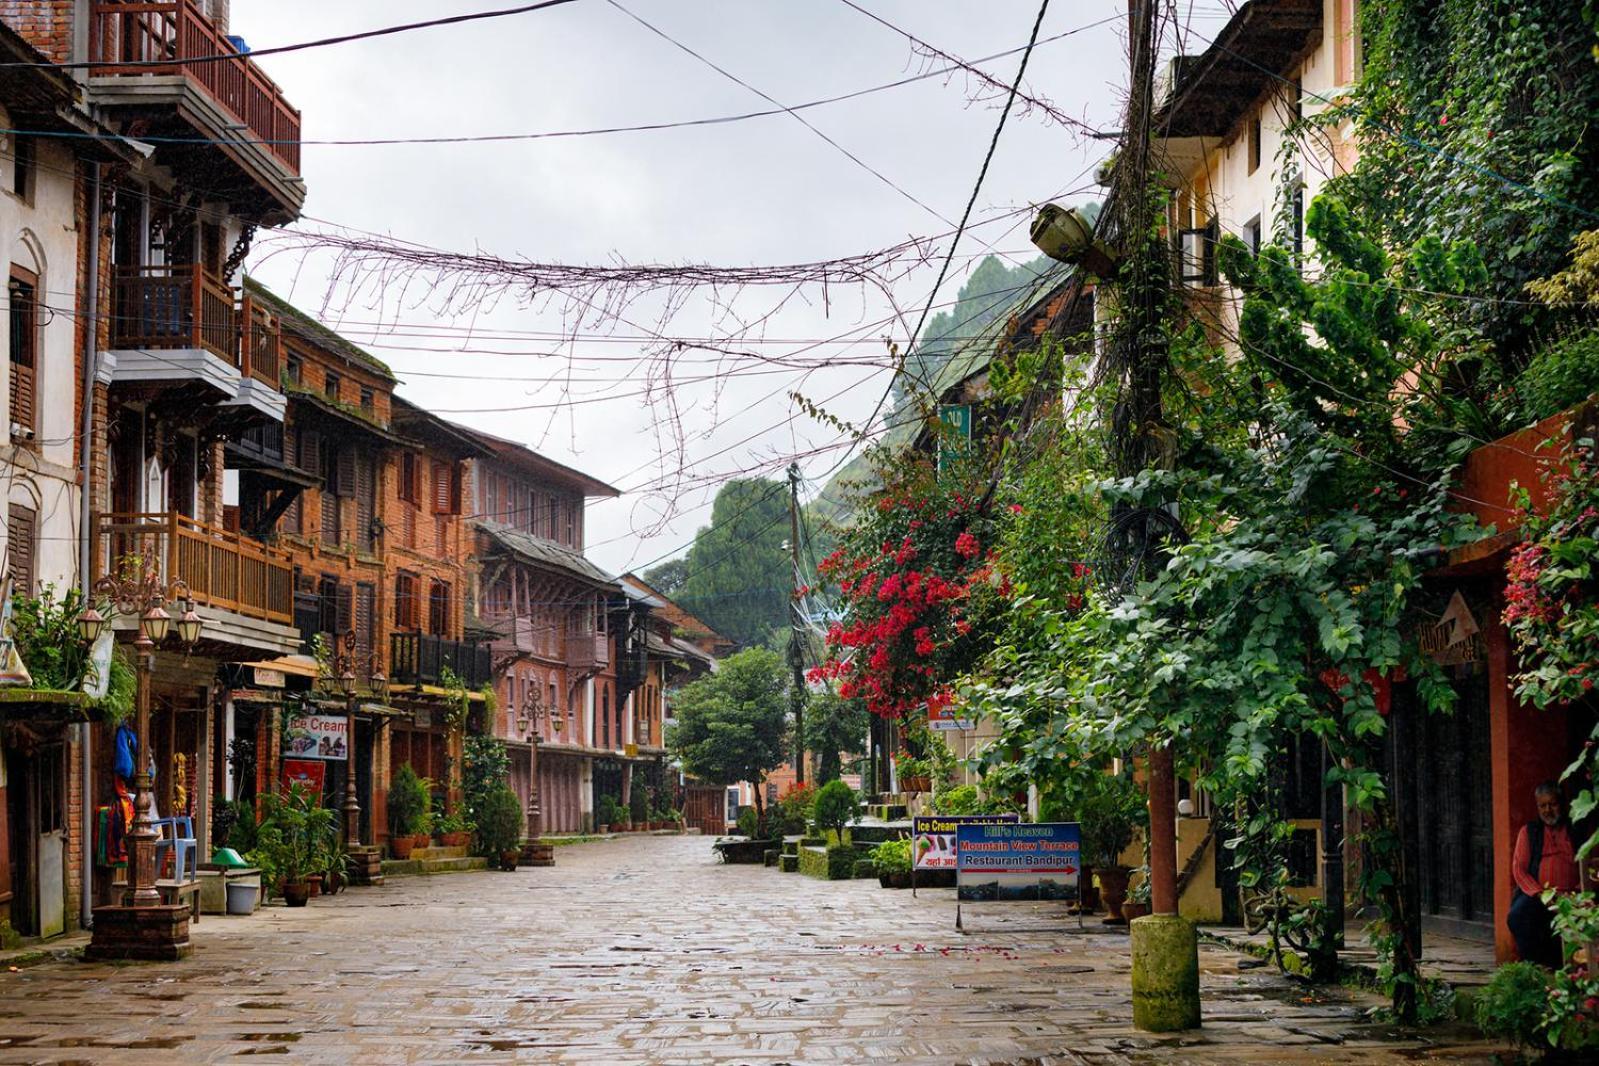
(139, 37)
(222, 569)
(174, 307)
(586, 649)
(260, 343)
(420, 659)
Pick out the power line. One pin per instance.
(645, 127)
(224, 57)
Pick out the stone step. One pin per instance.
(452, 865)
(438, 851)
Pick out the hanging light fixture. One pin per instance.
(91, 624)
(155, 624)
(190, 625)
(380, 685)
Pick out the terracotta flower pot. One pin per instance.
(1113, 890)
(602, 830)
(401, 846)
(1131, 910)
(509, 858)
(314, 883)
(296, 893)
(423, 840)
(916, 784)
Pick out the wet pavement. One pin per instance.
(644, 950)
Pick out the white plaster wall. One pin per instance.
(43, 237)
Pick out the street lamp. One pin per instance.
(527, 722)
(142, 594)
(342, 676)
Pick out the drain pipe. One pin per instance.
(91, 361)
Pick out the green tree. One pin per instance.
(737, 573)
(669, 576)
(834, 727)
(733, 725)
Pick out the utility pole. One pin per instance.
(1165, 946)
(796, 655)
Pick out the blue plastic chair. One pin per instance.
(185, 847)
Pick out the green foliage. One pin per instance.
(668, 577)
(499, 822)
(294, 839)
(639, 805)
(749, 823)
(243, 832)
(737, 577)
(1563, 373)
(610, 812)
(841, 859)
(960, 800)
(733, 725)
(836, 806)
(834, 726)
(792, 813)
(863, 868)
(1511, 1005)
(1570, 1021)
(409, 803)
(1475, 119)
(892, 857)
(1109, 806)
(122, 690)
(485, 766)
(46, 631)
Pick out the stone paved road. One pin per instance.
(645, 951)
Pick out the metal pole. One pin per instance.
(1332, 851)
(535, 815)
(91, 349)
(352, 806)
(1162, 832)
(796, 657)
(141, 842)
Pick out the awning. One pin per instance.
(297, 665)
(45, 705)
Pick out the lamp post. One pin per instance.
(528, 722)
(342, 677)
(143, 595)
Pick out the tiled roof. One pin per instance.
(307, 328)
(541, 552)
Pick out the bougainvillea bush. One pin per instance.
(919, 587)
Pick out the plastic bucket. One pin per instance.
(241, 897)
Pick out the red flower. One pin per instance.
(1016, 508)
(967, 546)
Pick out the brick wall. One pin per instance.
(75, 841)
(45, 24)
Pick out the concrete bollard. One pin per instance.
(1165, 973)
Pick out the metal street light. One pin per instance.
(342, 675)
(143, 595)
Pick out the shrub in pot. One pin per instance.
(292, 840)
(610, 813)
(892, 860)
(408, 809)
(499, 829)
(639, 809)
(1511, 1005)
(453, 830)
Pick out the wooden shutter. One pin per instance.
(365, 600)
(404, 601)
(347, 467)
(441, 488)
(344, 609)
(328, 605)
(439, 609)
(24, 348)
(366, 499)
(21, 535)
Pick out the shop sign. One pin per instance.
(942, 716)
(1456, 638)
(308, 773)
(933, 839)
(266, 677)
(318, 736)
(1011, 862)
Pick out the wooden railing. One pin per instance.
(173, 37)
(586, 649)
(260, 344)
(420, 659)
(222, 569)
(174, 307)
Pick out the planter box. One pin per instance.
(788, 863)
(744, 851)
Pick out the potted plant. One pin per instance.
(610, 815)
(1137, 902)
(292, 836)
(408, 807)
(499, 830)
(1110, 808)
(453, 830)
(639, 809)
(834, 808)
(914, 772)
(892, 861)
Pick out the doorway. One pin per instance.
(36, 815)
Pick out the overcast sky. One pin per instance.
(763, 191)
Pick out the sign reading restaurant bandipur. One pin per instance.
(1031, 861)
(933, 838)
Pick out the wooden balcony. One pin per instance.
(421, 659)
(139, 38)
(174, 307)
(260, 343)
(587, 650)
(223, 570)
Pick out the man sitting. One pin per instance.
(1545, 857)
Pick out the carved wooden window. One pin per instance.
(23, 292)
(21, 535)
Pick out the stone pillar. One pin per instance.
(1165, 973)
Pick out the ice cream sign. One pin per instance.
(933, 840)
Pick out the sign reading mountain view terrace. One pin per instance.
(1031, 861)
(933, 839)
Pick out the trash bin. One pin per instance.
(241, 896)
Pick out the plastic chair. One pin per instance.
(185, 848)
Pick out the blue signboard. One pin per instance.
(1027, 861)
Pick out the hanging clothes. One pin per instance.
(127, 745)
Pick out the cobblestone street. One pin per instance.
(645, 950)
